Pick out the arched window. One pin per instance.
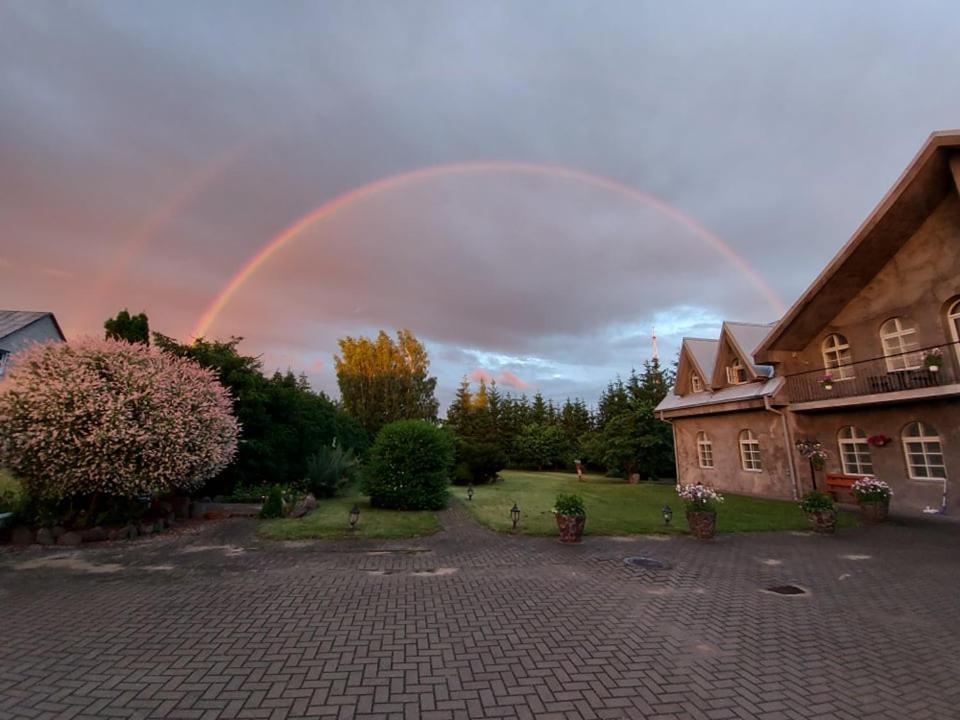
(836, 357)
(750, 452)
(704, 450)
(899, 339)
(953, 321)
(854, 451)
(736, 372)
(696, 383)
(923, 452)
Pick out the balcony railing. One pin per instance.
(905, 371)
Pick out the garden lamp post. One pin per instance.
(470, 492)
(667, 514)
(515, 515)
(354, 516)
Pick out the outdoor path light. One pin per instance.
(470, 492)
(354, 516)
(515, 515)
(667, 514)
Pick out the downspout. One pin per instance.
(676, 457)
(789, 445)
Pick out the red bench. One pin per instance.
(839, 484)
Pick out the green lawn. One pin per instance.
(330, 520)
(617, 508)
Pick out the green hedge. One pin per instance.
(408, 467)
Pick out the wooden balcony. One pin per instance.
(905, 376)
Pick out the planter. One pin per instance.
(933, 368)
(703, 525)
(874, 511)
(571, 527)
(823, 521)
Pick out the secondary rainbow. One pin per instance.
(249, 268)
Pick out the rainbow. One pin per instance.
(328, 208)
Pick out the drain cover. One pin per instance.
(645, 562)
(786, 590)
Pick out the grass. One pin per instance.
(617, 508)
(330, 520)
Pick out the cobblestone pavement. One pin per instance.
(469, 624)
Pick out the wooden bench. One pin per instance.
(839, 484)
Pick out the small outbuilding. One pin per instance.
(19, 328)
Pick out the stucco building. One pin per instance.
(18, 328)
(866, 361)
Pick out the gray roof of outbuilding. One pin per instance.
(13, 320)
(732, 393)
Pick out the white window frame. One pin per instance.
(953, 320)
(855, 454)
(4, 356)
(837, 359)
(927, 447)
(750, 457)
(898, 339)
(704, 451)
(736, 373)
(696, 383)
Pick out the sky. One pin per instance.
(598, 169)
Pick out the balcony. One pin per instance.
(883, 379)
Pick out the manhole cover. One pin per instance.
(648, 563)
(786, 590)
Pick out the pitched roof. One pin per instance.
(704, 353)
(732, 393)
(13, 320)
(748, 336)
(928, 179)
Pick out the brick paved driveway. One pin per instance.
(217, 624)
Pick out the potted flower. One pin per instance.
(933, 359)
(873, 495)
(701, 503)
(571, 517)
(820, 512)
(826, 382)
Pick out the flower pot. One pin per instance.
(874, 511)
(933, 368)
(703, 524)
(823, 521)
(828, 386)
(571, 527)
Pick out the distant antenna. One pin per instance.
(656, 354)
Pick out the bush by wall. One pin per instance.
(408, 467)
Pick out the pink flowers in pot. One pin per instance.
(871, 489)
(699, 498)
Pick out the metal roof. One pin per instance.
(732, 393)
(13, 320)
(704, 352)
(748, 337)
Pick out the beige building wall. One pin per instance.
(917, 283)
(889, 462)
(728, 473)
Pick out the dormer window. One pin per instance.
(4, 355)
(736, 373)
(696, 383)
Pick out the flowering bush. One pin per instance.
(869, 489)
(108, 417)
(699, 498)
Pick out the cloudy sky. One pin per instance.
(594, 158)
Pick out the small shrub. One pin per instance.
(816, 500)
(329, 470)
(477, 462)
(569, 505)
(409, 466)
(273, 505)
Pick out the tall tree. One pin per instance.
(383, 380)
(132, 328)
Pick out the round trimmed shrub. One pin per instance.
(408, 467)
(106, 417)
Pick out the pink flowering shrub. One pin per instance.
(109, 417)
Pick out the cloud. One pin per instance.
(504, 378)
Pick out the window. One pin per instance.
(750, 452)
(923, 452)
(836, 357)
(704, 450)
(854, 451)
(899, 338)
(953, 320)
(736, 373)
(696, 383)
(3, 361)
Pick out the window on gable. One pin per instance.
(837, 357)
(736, 373)
(696, 383)
(899, 339)
(750, 451)
(854, 451)
(704, 450)
(924, 452)
(4, 355)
